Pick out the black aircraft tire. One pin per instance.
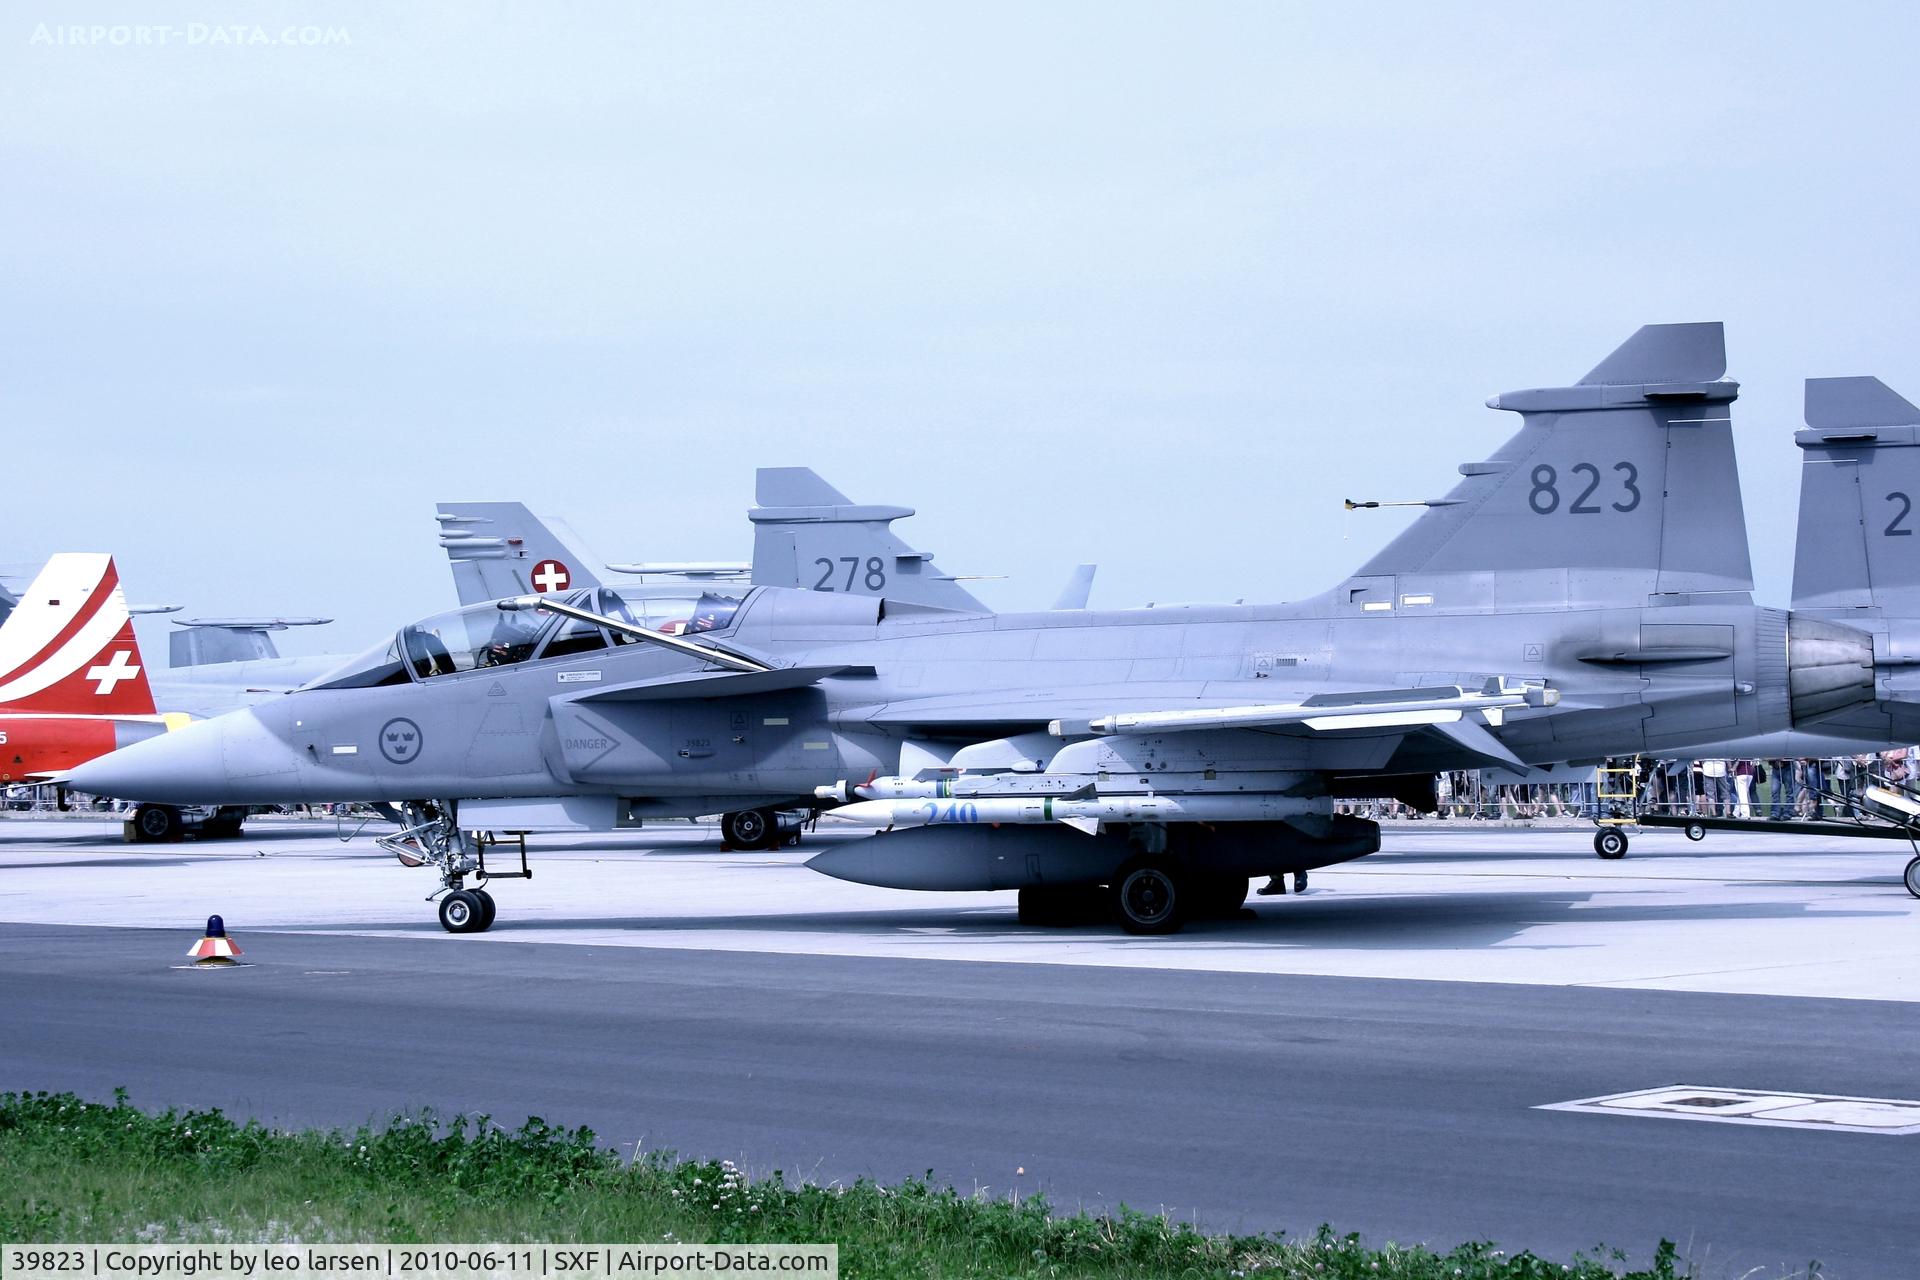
(1695, 831)
(1217, 897)
(488, 909)
(461, 912)
(1610, 844)
(1912, 877)
(1055, 906)
(156, 824)
(1150, 896)
(750, 829)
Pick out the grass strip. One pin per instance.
(72, 1170)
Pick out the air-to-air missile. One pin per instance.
(1082, 814)
(1062, 794)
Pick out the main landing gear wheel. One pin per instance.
(1695, 831)
(1150, 896)
(1912, 877)
(155, 824)
(1611, 843)
(465, 911)
(488, 909)
(750, 829)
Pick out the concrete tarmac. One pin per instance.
(1265, 1100)
(1752, 915)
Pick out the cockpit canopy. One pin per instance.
(485, 635)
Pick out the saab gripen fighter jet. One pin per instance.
(1584, 592)
(1852, 560)
(1859, 477)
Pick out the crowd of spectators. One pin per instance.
(1774, 789)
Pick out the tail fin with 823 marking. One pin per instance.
(1620, 489)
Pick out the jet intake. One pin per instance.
(1829, 668)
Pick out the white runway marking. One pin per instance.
(1792, 916)
(1896, 1116)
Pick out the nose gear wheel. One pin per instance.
(432, 838)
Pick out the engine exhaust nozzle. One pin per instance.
(1829, 668)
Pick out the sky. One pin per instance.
(1150, 286)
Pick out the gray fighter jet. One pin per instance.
(1853, 561)
(1859, 476)
(1584, 592)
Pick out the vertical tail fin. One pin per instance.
(501, 549)
(1858, 545)
(1079, 588)
(68, 646)
(1620, 489)
(806, 533)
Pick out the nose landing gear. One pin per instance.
(431, 837)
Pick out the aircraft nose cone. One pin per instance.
(230, 759)
(172, 767)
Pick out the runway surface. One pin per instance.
(1270, 1074)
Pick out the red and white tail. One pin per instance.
(68, 646)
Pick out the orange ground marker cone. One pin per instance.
(216, 947)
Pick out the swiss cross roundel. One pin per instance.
(551, 575)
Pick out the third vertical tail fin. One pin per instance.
(1858, 546)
